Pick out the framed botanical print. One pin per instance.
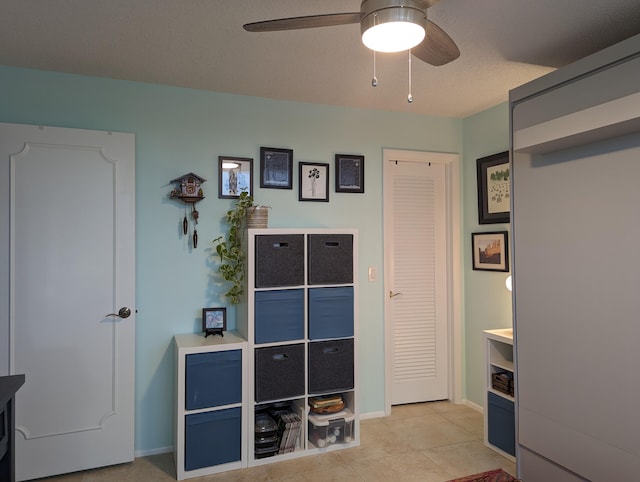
(494, 197)
(314, 181)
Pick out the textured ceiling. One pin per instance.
(201, 44)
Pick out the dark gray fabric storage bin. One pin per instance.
(279, 260)
(279, 372)
(279, 315)
(213, 379)
(330, 258)
(212, 438)
(331, 366)
(330, 312)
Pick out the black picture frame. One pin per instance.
(349, 173)
(276, 168)
(490, 251)
(234, 180)
(214, 321)
(313, 181)
(494, 196)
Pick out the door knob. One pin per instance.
(393, 295)
(124, 312)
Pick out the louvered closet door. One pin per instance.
(416, 227)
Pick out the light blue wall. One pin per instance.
(180, 130)
(487, 302)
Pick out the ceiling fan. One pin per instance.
(402, 22)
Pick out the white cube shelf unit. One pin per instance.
(211, 421)
(499, 411)
(299, 316)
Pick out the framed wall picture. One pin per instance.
(494, 197)
(314, 181)
(235, 175)
(276, 168)
(349, 173)
(214, 321)
(490, 251)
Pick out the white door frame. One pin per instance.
(454, 266)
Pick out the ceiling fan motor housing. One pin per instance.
(412, 14)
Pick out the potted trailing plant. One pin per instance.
(229, 250)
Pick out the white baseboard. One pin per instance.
(473, 405)
(146, 453)
(364, 416)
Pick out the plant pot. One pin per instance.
(257, 217)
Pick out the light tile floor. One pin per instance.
(426, 442)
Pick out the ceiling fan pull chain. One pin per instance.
(374, 80)
(409, 97)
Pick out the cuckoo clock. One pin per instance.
(188, 190)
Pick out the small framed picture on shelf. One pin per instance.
(494, 198)
(349, 173)
(276, 166)
(214, 321)
(314, 181)
(490, 251)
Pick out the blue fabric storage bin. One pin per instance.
(502, 423)
(213, 379)
(212, 438)
(330, 312)
(279, 315)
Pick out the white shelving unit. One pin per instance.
(223, 382)
(499, 412)
(295, 340)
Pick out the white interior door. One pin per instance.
(416, 278)
(71, 219)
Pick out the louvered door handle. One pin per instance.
(123, 313)
(393, 295)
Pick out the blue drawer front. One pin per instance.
(502, 425)
(279, 315)
(330, 312)
(213, 379)
(212, 438)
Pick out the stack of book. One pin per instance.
(326, 404)
(289, 429)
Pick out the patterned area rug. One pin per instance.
(497, 475)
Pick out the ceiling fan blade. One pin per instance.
(437, 48)
(312, 21)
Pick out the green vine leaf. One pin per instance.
(232, 259)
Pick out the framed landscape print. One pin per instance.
(276, 166)
(349, 173)
(490, 251)
(494, 197)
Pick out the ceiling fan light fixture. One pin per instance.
(393, 29)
